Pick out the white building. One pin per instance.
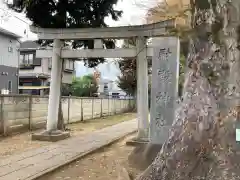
(109, 88)
(9, 61)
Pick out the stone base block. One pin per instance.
(143, 155)
(52, 136)
(137, 142)
(142, 135)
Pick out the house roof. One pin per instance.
(29, 45)
(8, 33)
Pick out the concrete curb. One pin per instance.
(80, 156)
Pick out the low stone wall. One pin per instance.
(21, 113)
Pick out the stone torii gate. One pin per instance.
(142, 52)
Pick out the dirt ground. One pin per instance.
(104, 164)
(19, 143)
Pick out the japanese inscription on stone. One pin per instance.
(164, 54)
(162, 98)
(165, 65)
(160, 120)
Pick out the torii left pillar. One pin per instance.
(51, 133)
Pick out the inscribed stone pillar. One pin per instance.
(142, 89)
(164, 92)
(54, 95)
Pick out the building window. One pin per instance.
(21, 59)
(10, 86)
(26, 59)
(115, 95)
(10, 49)
(69, 64)
(105, 87)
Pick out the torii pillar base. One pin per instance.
(136, 142)
(51, 136)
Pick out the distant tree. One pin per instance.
(85, 86)
(66, 89)
(127, 81)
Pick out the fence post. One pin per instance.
(2, 117)
(108, 106)
(69, 100)
(115, 110)
(117, 106)
(92, 108)
(101, 108)
(30, 113)
(5, 123)
(121, 109)
(129, 105)
(81, 109)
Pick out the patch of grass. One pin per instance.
(99, 123)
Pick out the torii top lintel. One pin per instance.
(147, 30)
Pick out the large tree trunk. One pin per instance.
(202, 141)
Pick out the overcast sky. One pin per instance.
(133, 13)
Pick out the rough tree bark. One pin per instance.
(202, 140)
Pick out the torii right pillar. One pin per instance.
(142, 90)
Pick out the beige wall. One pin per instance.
(26, 112)
(67, 77)
(9, 58)
(44, 69)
